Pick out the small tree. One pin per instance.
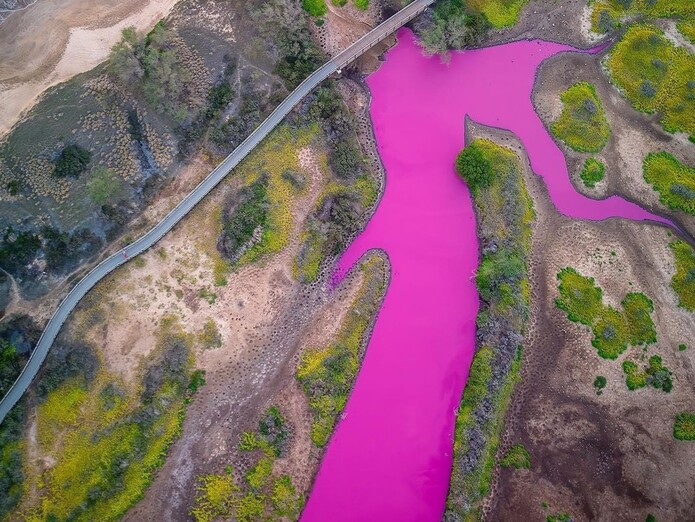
(474, 168)
(72, 162)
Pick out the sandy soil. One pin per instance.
(608, 457)
(633, 134)
(53, 40)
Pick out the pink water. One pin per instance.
(390, 457)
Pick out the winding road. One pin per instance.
(338, 62)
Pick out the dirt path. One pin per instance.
(53, 40)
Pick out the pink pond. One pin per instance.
(390, 457)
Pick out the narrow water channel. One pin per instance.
(390, 457)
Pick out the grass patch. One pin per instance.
(592, 172)
(613, 330)
(104, 187)
(673, 180)
(684, 426)
(327, 374)
(582, 124)
(517, 456)
(683, 281)
(656, 76)
(362, 4)
(209, 336)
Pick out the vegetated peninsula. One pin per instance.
(217, 375)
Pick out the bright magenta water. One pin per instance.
(390, 457)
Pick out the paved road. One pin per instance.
(198, 193)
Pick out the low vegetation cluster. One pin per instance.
(654, 374)
(592, 173)
(504, 212)
(517, 456)
(582, 124)
(684, 426)
(613, 330)
(328, 373)
(656, 76)
(673, 180)
(264, 493)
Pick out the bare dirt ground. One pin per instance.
(633, 134)
(613, 456)
(53, 40)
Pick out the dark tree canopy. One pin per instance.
(474, 168)
(72, 162)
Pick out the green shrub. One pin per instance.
(516, 456)
(592, 173)
(599, 384)
(582, 124)
(249, 215)
(474, 168)
(579, 297)
(501, 13)
(683, 281)
(684, 426)
(72, 162)
(682, 347)
(362, 4)
(674, 181)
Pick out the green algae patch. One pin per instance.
(327, 374)
(683, 281)
(505, 213)
(613, 330)
(582, 124)
(673, 180)
(500, 13)
(656, 76)
(593, 172)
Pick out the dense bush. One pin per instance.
(244, 218)
(599, 384)
(582, 124)
(67, 361)
(72, 161)
(17, 249)
(10, 366)
(64, 251)
(474, 168)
